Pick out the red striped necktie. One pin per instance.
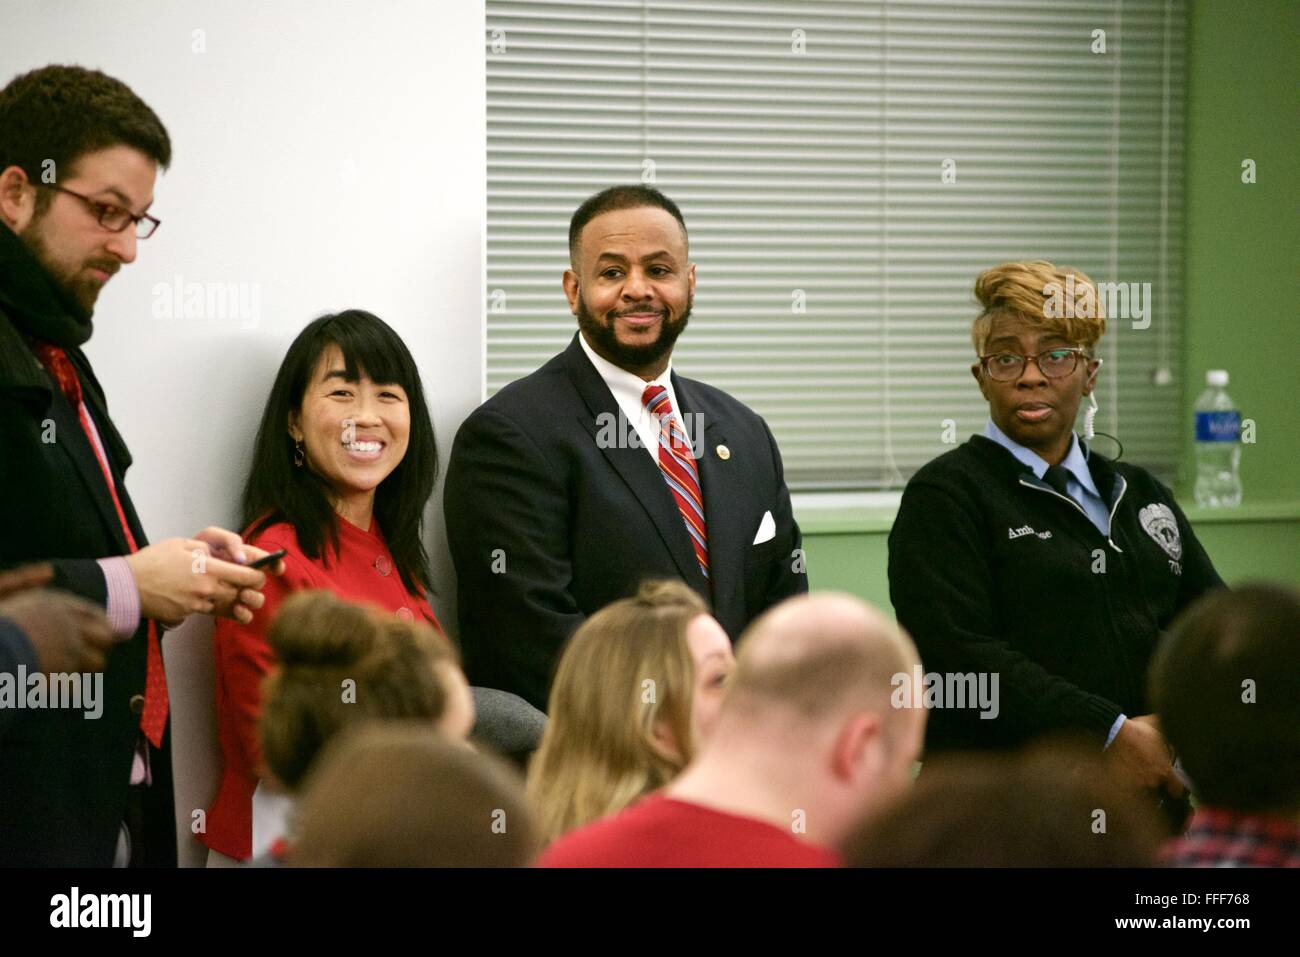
(154, 718)
(679, 470)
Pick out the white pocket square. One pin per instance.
(766, 529)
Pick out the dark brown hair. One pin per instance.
(342, 664)
(1225, 683)
(402, 795)
(61, 113)
(1050, 807)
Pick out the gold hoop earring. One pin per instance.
(297, 454)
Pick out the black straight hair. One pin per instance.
(277, 491)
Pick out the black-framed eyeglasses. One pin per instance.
(1054, 363)
(113, 218)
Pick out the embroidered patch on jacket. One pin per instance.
(1159, 522)
(1027, 530)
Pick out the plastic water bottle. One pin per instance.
(1218, 444)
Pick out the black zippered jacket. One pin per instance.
(993, 572)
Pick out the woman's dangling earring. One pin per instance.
(297, 453)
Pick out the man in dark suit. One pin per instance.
(79, 154)
(604, 467)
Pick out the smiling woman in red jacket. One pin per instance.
(344, 463)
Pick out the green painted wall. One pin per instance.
(1242, 303)
(856, 562)
(1243, 240)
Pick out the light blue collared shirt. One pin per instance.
(1081, 487)
(1080, 484)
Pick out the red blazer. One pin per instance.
(363, 571)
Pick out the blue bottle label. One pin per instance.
(1218, 426)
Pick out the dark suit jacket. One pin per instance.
(16, 652)
(578, 526)
(64, 779)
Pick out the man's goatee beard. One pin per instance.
(601, 336)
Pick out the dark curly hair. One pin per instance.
(61, 113)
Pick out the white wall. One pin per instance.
(327, 154)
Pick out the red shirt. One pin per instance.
(362, 571)
(665, 832)
(1218, 837)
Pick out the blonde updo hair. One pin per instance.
(627, 668)
(321, 641)
(1062, 300)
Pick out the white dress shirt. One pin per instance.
(628, 389)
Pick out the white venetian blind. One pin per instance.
(805, 143)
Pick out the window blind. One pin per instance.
(846, 169)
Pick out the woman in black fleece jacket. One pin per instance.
(1024, 558)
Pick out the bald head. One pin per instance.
(816, 657)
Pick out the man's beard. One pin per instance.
(602, 337)
(81, 289)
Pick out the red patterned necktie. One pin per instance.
(154, 718)
(679, 470)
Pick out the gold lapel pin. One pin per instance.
(724, 453)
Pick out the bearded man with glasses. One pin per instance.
(79, 154)
(1031, 562)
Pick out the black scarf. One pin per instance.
(36, 304)
(32, 306)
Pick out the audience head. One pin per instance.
(811, 704)
(401, 795)
(79, 154)
(346, 418)
(1225, 684)
(1052, 807)
(1034, 308)
(342, 664)
(637, 687)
